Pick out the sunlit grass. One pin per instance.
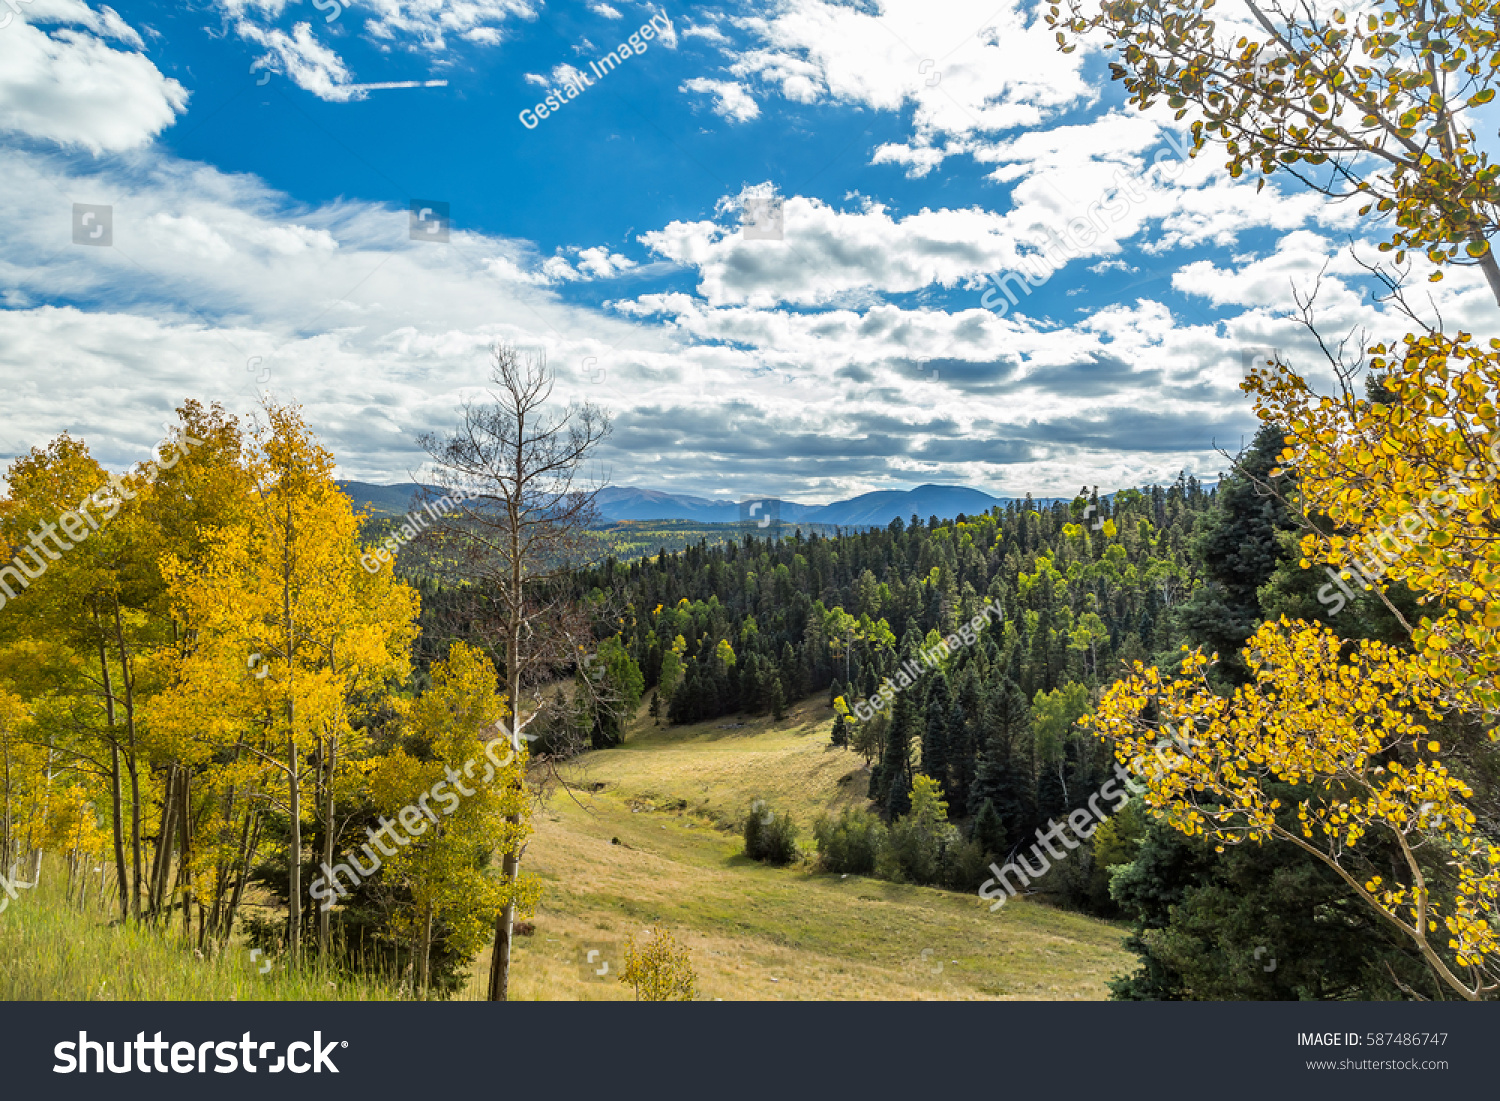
(673, 798)
(51, 949)
(658, 841)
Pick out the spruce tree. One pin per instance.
(988, 833)
(935, 732)
(1238, 548)
(1004, 777)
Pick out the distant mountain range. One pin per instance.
(875, 509)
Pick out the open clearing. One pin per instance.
(658, 841)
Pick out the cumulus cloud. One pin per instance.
(964, 67)
(560, 76)
(709, 32)
(851, 354)
(731, 100)
(590, 263)
(68, 85)
(426, 24)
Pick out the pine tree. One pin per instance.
(1238, 546)
(988, 832)
(898, 794)
(1003, 777)
(935, 732)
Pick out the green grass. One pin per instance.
(673, 799)
(52, 950)
(650, 834)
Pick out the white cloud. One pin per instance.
(730, 98)
(214, 280)
(668, 37)
(70, 86)
(605, 10)
(425, 24)
(709, 32)
(591, 263)
(311, 65)
(560, 76)
(964, 67)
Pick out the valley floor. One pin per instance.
(654, 837)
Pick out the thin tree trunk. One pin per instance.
(511, 869)
(117, 796)
(294, 776)
(185, 853)
(73, 858)
(243, 874)
(5, 827)
(128, 683)
(162, 864)
(424, 954)
(1491, 269)
(325, 915)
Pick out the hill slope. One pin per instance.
(758, 932)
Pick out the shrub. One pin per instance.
(965, 866)
(769, 836)
(851, 842)
(660, 970)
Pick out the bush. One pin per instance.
(769, 837)
(659, 970)
(920, 850)
(965, 866)
(850, 843)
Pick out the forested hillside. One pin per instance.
(985, 736)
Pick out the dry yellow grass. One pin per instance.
(649, 846)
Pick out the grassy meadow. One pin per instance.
(659, 841)
(648, 833)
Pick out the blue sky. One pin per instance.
(259, 192)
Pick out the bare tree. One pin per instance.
(515, 524)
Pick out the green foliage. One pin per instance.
(920, 842)
(617, 685)
(1252, 923)
(769, 837)
(659, 970)
(988, 833)
(850, 843)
